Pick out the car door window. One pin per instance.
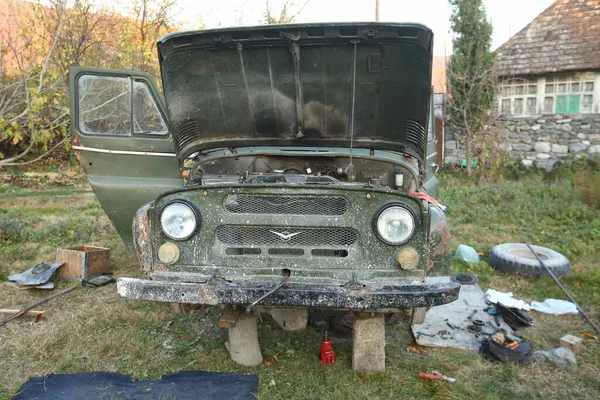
(104, 105)
(146, 116)
(117, 105)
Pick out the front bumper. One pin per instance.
(433, 292)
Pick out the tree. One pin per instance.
(471, 79)
(38, 44)
(288, 11)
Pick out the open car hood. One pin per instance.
(299, 85)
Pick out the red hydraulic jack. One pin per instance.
(327, 353)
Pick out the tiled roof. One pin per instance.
(566, 36)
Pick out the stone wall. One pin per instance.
(542, 140)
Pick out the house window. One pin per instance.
(548, 105)
(506, 106)
(569, 93)
(520, 94)
(531, 105)
(588, 104)
(518, 106)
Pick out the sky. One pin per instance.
(507, 16)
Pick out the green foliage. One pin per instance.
(471, 79)
(534, 209)
(471, 57)
(11, 230)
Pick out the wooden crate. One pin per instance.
(82, 262)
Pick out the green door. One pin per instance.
(121, 138)
(568, 104)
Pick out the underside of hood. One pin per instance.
(365, 84)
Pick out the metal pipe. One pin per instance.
(588, 319)
(286, 273)
(37, 303)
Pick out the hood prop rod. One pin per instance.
(351, 172)
(286, 277)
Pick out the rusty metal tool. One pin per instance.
(587, 318)
(37, 303)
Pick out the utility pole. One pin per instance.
(376, 10)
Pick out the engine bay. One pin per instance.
(276, 168)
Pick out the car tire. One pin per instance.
(516, 258)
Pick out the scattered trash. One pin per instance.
(587, 335)
(514, 317)
(467, 254)
(38, 275)
(571, 342)
(98, 281)
(47, 285)
(415, 350)
(548, 306)
(453, 324)
(554, 306)
(507, 299)
(561, 357)
(436, 375)
(516, 353)
(499, 338)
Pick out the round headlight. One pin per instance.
(178, 221)
(395, 225)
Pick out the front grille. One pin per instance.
(259, 236)
(287, 205)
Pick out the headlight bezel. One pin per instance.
(194, 210)
(384, 208)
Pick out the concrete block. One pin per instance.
(571, 342)
(243, 344)
(290, 319)
(368, 342)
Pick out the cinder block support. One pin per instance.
(290, 319)
(181, 308)
(368, 346)
(243, 341)
(418, 316)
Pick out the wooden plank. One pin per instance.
(230, 317)
(38, 315)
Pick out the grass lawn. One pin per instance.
(94, 329)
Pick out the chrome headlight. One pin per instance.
(178, 221)
(395, 224)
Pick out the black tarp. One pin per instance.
(114, 386)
